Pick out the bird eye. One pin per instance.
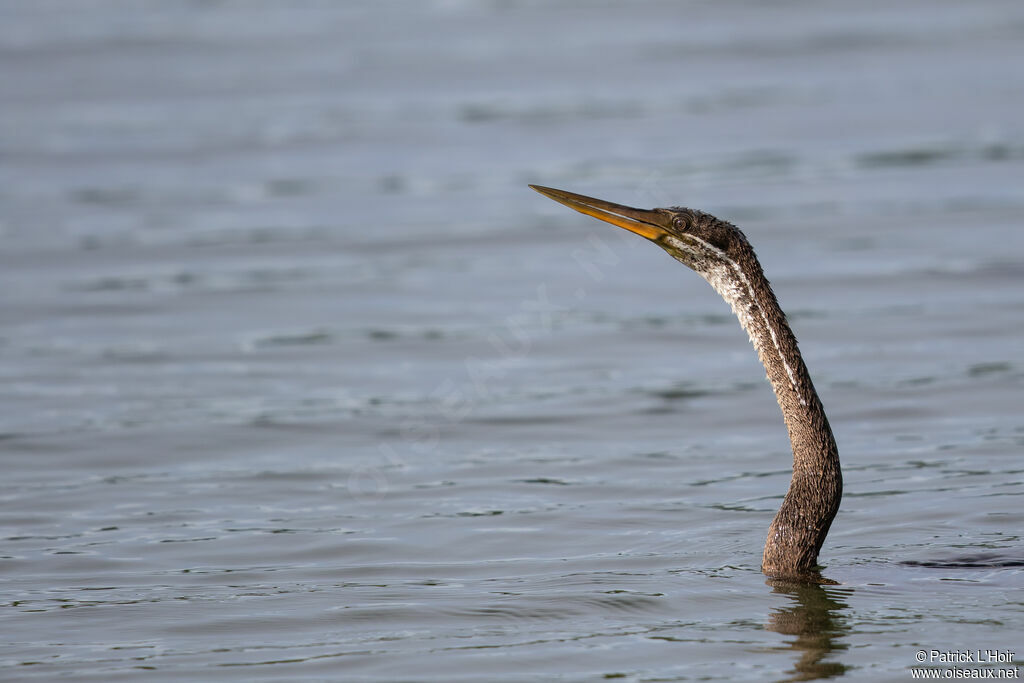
(681, 223)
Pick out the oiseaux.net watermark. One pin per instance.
(978, 664)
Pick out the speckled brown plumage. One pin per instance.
(721, 254)
(799, 528)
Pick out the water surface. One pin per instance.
(302, 382)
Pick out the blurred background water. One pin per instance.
(300, 381)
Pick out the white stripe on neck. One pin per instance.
(728, 288)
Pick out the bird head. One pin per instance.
(696, 239)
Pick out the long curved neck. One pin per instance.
(799, 529)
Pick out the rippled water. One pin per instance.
(301, 381)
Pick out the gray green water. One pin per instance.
(301, 382)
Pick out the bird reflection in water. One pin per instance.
(815, 618)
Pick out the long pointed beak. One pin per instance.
(649, 224)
